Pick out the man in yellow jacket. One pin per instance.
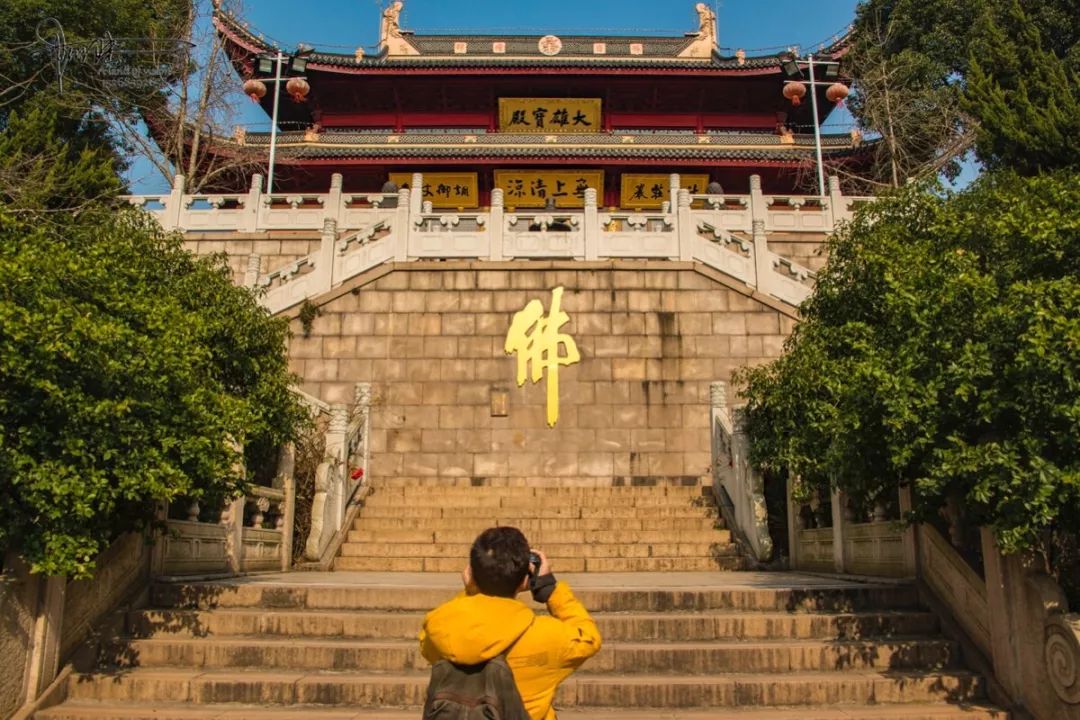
(484, 620)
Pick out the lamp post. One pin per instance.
(296, 85)
(792, 67)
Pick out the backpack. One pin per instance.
(485, 691)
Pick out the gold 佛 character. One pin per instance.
(537, 341)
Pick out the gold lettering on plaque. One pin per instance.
(540, 346)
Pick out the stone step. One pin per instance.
(234, 711)
(545, 481)
(723, 559)
(526, 525)
(410, 594)
(543, 539)
(707, 625)
(281, 687)
(526, 502)
(403, 513)
(661, 658)
(422, 490)
(581, 550)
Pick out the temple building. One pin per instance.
(540, 117)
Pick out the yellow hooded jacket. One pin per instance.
(471, 629)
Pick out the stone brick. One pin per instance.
(440, 393)
(422, 370)
(665, 416)
(499, 370)
(455, 465)
(386, 464)
(460, 279)
(459, 324)
(328, 324)
(729, 323)
(746, 346)
(491, 464)
(762, 323)
(598, 368)
(372, 347)
(511, 301)
(712, 346)
(390, 370)
(453, 370)
(666, 464)
(663, 280)
(696, 368)
(612, 440)
(391, 324)
(643, 300)
(594, 416)
(473, 393)
(560, 464)
(339, 347)
(441, 301)
(306, 347)
(492, 323)
(644, 346)
(358, 324)
(610, 346)
(408, 302)
(564, 278)
(419, 464)
(438, 441)
(613, 393)
(737, 302)
(695, 323)
(787, 325)
(425, 280)
(493, 279)
(691, 280)
(406, 347)
(627, 279)
(403, 441)
(527, 280)
(336, 392)
(394, 281)
(596, 464)
(628, 323)
(630, 416)
(589, 324)
(593, 280)
(426, 324)
(473, 302)
(452, 418)
(440, 347)
(405, 393)
(356, 370)
(473, 440)
(628, 369)
(647, 439)
(772, 345)
(375, 301)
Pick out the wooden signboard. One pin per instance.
(546, 116)
(533, 188)
(444, 190)
(647, 192)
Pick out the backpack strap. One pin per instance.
(510, 647)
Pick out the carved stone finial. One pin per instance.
(706, 22)
(1062, 655)
(718, 394)
(257, 182)
(239, 134)
(590, 197)
(496, 197)
(339, 419)
(755, 183)
(363, 394)
(329, 226)
(684, 198)
(391, 36)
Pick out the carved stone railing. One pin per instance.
(340, 482)
(741, 484)
(728, 233)
(253, 533)
(835, 537)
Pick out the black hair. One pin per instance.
(499, 560)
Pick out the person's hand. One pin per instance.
(545, 566)
(467, 581)
(542, 583)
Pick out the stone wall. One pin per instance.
(429, 336)
(277, 248)
(17, 613)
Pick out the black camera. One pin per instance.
(534, 566)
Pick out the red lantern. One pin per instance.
(795, 91)
(837, 92)
(255, 89)
(297, 88)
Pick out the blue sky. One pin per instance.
(342, 25)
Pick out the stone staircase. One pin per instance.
(669, 525)
(677, 644)
(328, 646)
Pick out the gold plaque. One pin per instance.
(533, 188)
(549, 115)
(444, 190)
(647, 192)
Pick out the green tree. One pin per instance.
(128, 368)
(934, 78)
(941, 350)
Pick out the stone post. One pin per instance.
(402, 223)
(794, 512)
(758, 208)
(838, 500)
(46, 601)
(332, 210)
(253, 204)
(496, 223)
(337, 448)
(591, 231)
(762, 264)
(174, 206)
(837, 203)
(324, 264)
(254, 269)
(286, 482)
(911, 553)
(232, 517)
(684, 226)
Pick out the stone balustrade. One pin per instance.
(729, 233)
